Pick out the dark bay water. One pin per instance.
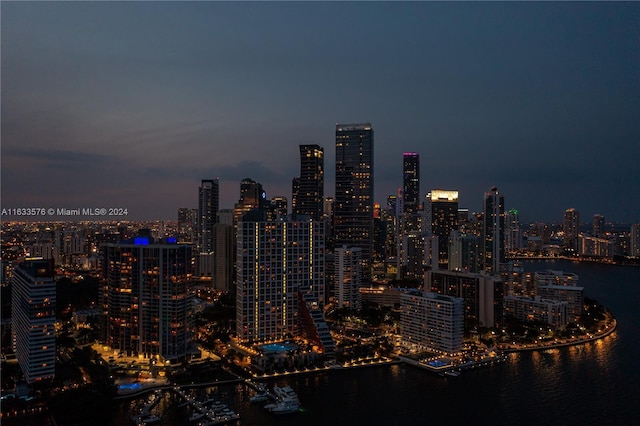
(595, 383)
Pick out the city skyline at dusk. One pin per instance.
(132, 104)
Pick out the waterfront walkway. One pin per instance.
(362, 362)
(509, 347)
(369, 362)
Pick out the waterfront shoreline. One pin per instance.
(401, 360)
(601, 261)
(581, 341)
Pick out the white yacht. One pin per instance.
(286, 401)
(284, 407)
(285, 393)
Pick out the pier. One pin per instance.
(209, 412)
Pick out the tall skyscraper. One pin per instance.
(147, 305)
(310, 194)
(353, 214)
(187, 225)
(426, 216)
(208, 197)
(464, 252)
(224, 250)
(277, 208)
(571, 228)
(493, 231)
(598, 226)
(411, 181)
(444, 219)
(277, 263)
(33, 306)
(348, 277)
(413, 254)
(513, 233)
(252, 197)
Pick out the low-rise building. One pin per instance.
(532, 309)
(574, 296)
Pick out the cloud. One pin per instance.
(57, 158)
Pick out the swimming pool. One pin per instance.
(129, 386)
(437, 363)
(278, 347)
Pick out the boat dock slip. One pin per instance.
(145, 417)
(209, 412)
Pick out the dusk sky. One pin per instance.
(131, 104)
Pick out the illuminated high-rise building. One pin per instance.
(33, 306)
(411, 181)
(413, 254)
(277, 263)
(208, 197)
(348, 277)
(513, 233)
(277, 208)
(310, 191)
(353, 212)
(426, 216)
(187, 225)
(493, 231)
(571, 228)
(252, 197)
(464, 252)
(224, 250)
(598, 226)
(444, 219)
(146, 304)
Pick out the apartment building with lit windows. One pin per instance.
(432, 321)
(147, 308)
(276, 262)
(33, 305)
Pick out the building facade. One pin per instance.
(598, 226)
(354, 191)
(33, 307)
(493, 231)
(464, 252)
(444, 219)
(310, 189)
(411, 182)
(208, 200)
(595, 247)
(571, 229)
(537, 309)
(252, 198)
(513, 233)
(573, 295)
(147, 307)
(277, 261)
(348, 265)
(483, 295)
(432, 321)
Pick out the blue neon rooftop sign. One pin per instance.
(141, 241)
